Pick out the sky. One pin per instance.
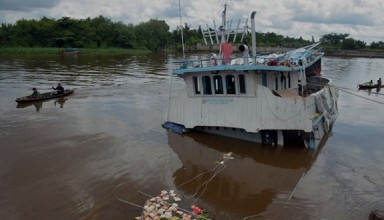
(361, 19)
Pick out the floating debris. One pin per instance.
(165, 206)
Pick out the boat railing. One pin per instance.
(285, 59)
(207, 62)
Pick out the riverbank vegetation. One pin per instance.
(100, 34)
(55, 50)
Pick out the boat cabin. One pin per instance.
(233, 81)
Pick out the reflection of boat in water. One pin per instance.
(272, 99)
(39, 104)
(44, 96)
(249, 183)
(60, 101)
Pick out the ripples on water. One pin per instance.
(71, 158)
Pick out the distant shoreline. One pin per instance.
(355, 53)
(63, 51)
(198, 48)
(268, 50)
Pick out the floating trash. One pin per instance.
(165, 206)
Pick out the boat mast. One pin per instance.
(181, 29)
(224, 22)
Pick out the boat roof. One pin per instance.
(294, 56)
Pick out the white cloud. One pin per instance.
(360, 18)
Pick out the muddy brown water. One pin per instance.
(73, 158)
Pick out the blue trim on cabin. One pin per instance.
(184, 70)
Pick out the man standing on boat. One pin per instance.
(379, 83)
(59, 89)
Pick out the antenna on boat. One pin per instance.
(182, 42)
(223, 28)
(224, 22)
(181, 29)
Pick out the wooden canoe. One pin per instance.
(366, 86)
(43, 96)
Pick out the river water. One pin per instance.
(82, 156)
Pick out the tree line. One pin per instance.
(343, 41)
(80, 33)
(153, 35)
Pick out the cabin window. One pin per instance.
(218, 84)
(242, 84)
(207, 85)
(196, 85)
(230, 84)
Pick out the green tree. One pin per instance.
(124, 36)
(333, 39)
(153, 34)
(191, 36)
(6, 35)
(103, 31)
(23, 33)
(377, 45)
(361, 44)
(349, 44)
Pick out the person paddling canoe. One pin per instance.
(59, 89)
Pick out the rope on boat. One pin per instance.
(302, 176)
(130, 203)
(221, 165)
(198, 176)
(372, 100)
(345, 89)
(157, 205)
(205, 184)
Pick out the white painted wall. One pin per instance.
(253, 113)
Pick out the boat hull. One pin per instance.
(364, 86)
(43, 96)
(266, 118)
(259, 98)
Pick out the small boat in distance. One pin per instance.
(70, 50)
(269, 99)
(367, 85)
(43, 96)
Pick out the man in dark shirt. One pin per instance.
(59, 89)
